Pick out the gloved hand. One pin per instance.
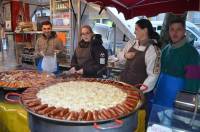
(72, 70)
(65, 73)
(80, 71)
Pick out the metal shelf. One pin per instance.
(62, 20)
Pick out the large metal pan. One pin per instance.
(124, 123)
(139, 104)
(5, 90)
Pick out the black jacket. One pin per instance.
(93, 68)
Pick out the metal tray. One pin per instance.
(82, 122)
(12, 89)
(139, 104)
(18, 89)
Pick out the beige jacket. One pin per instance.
(47, 46)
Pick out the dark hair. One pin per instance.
(156, 37)
(178, 20)
(145, 23)
(46, 23)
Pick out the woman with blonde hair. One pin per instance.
(90, 57)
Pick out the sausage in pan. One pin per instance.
(81, 115)
(40, 107)
(95, 115)
(56, 111)
(46, 111)
(63, 112)
(35, 103)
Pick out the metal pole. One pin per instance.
(115, 36)
(2, 28)
(51, 11)
(78, 19)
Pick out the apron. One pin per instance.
(135, 73)
(83, 55)
(135, 69)
(167, 88)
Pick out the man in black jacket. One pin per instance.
(90, 57)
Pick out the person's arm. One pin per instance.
(38, 51)
(59, 46)
(121, 55)
(152, 67)
(74, 62)
(192, 71)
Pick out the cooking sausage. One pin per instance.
(29, 93)
(127, 107)
(69, 115)
(118, 110)
(63, 112)
(111, 81)
(66, 115)
(119, 84)
(26, 97)
(95, 115)
(106, 113)
(85, 116)
(98, 80)
(30, 90)
(40, 107)
(35, 103)
(56, 111)
(113, 112)
(91, 80)
(99, 116)
(46, 111)
(30, 100)
(132, 97)
(89, 116)
(134, 94)
(74, 116)
(131, 100)
(102, 116)
(81, 115)
(127, 88)
(131, 103)
(11, 85)
(122, 108)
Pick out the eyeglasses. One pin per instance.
(86, 33)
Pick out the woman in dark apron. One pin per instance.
(143, 59)
(90, 57)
